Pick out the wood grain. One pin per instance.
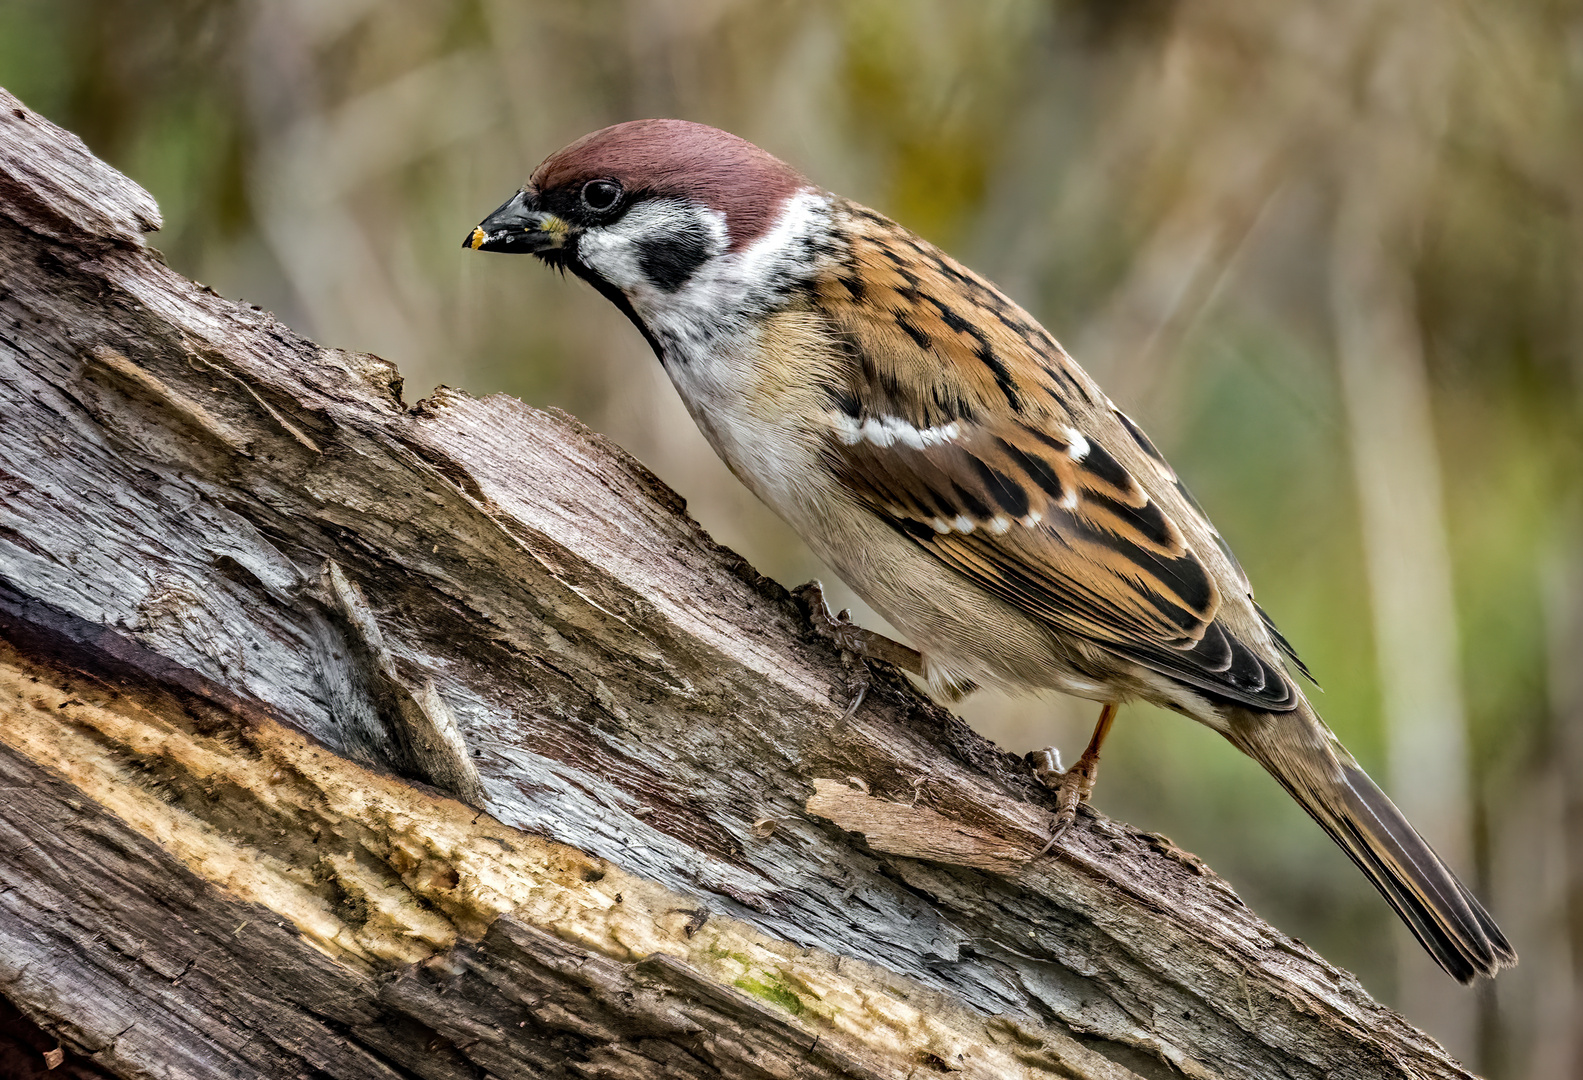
(230, 844)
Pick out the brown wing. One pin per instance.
(967, 428)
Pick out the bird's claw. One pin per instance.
(844, 634)
(1071, 786)
(858, 685)
(838, 629)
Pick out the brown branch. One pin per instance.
(377, 740)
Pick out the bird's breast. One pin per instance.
(759, 397)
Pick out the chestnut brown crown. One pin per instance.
(677, 159)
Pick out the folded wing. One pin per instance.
(1051, 522)
(968, 428)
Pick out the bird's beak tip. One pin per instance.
(519, 226)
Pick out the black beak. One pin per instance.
(519, 226)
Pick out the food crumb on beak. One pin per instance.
(477, 239)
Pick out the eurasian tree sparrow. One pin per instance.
(935, 446)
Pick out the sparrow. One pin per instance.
(938, 449)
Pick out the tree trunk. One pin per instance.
(341, 737)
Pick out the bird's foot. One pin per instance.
(844, 634)
(1071, 786)
(856, 644)
(839, 629)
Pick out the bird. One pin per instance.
(943, 454)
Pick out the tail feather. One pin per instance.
(1450, 923)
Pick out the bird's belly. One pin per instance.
(965, 633)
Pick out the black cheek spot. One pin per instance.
(669, 261)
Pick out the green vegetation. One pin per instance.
(775, 992)
(1214, 205)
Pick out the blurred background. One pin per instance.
(1329, 254)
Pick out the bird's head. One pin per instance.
(640, 207)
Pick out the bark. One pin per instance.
(350, 738)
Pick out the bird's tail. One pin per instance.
(1300, 752)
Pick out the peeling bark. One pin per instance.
(350, 738)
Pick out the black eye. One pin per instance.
(601, 195)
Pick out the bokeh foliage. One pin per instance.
(1159, 182)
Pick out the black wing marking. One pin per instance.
(1054, 524)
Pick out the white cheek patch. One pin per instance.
(776, 255)
(730, 291)
(701, 316)
(615, 251)
(707, 328)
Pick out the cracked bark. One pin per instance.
(345, 737)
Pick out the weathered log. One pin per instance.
(344, 737)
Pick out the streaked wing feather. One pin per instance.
(1284, 645)
(957, 429)
(1078, 545)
